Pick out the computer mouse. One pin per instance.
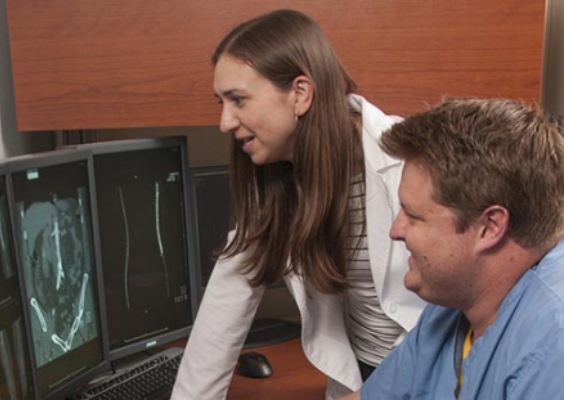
(254, 365)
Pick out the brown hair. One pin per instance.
(294, 216)
(486, 152)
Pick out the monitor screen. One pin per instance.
(15, 368)
(145, 235)
(212, 210)
(55, 242)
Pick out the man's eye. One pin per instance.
(409, 215)
(238, 101)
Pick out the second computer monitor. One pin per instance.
(145, 235)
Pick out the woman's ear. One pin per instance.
(303, 89)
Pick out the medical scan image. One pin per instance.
(143, 244)
(58, 269)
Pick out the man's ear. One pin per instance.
(303, 88)
(493, 226)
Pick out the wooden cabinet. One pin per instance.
(553, 82)
(89, 64)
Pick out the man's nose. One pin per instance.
(397, 231)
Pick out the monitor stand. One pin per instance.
(269, 331)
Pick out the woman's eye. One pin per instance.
(238, 101)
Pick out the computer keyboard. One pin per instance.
(151, 379)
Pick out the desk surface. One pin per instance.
(294, 377)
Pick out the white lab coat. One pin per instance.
(229, 303)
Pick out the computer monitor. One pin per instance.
(146, 242)
(16, 381)
(212, 210)
(212, 204)
(53, 215)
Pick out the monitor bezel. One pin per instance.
(47, 159)
(131, 145)
(4, 174)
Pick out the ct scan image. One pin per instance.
(56, 247)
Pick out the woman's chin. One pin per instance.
(257, 160)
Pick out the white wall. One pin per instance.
(13, 142)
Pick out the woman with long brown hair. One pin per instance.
(314, 198)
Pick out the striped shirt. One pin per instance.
(372, 333)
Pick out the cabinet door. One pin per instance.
(85, 64)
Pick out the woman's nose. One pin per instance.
(229, 121)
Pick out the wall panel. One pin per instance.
(85, 64)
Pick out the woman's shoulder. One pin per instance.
(372, 112)
(374, 123)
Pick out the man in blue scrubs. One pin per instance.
(482, 214)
